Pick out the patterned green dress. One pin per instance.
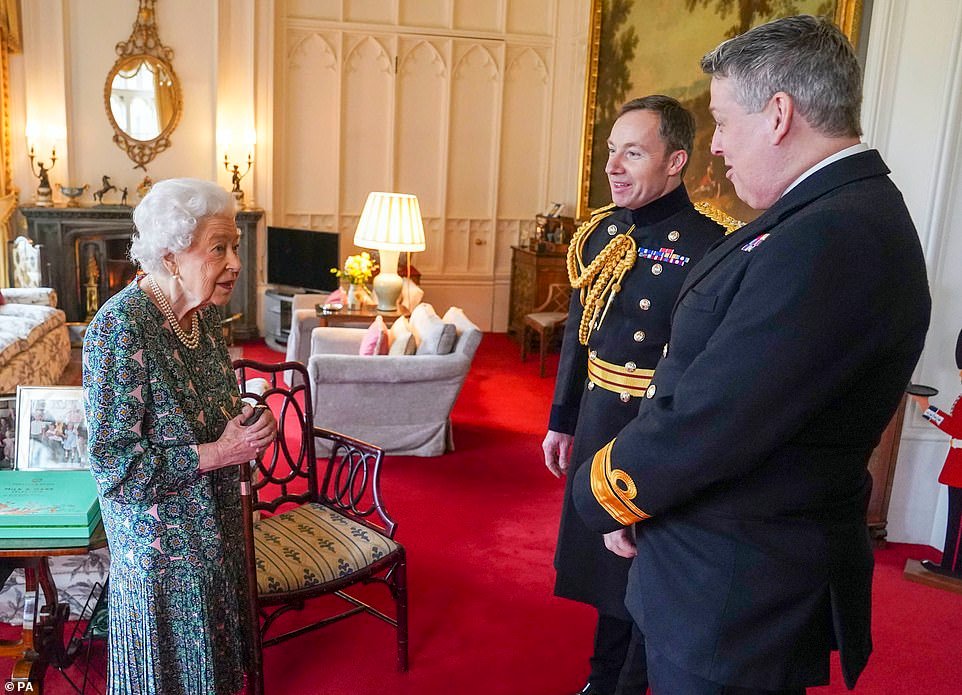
(177, 588)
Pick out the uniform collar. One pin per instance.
(662, 208)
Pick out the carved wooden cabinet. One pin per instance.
(531, 274)
(882, 467)
(85, 253)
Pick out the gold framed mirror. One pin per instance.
(142, 94)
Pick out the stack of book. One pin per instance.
(61, 506)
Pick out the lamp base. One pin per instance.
(387, 289)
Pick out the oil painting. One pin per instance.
(641, 47)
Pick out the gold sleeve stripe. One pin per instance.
(614, 489)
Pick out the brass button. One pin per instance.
(645, 304)
(656, 269)
(591, 386)
(673, 235)
(650, 393)
(664, 351)
(593, 355)
(639, 336)
(630, 367)
(625, 396)
(612, 229)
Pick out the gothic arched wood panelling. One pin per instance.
(524, 141)
(421, 131)
(367, 107)
(312, 76)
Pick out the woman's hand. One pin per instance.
(238, 443)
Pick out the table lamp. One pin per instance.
(390, 223)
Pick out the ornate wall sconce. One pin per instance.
(235, 179)
(44, 192)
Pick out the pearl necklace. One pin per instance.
(190, 341)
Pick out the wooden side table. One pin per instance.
(355, 317)
(41, 639)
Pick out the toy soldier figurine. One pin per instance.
(951, 475)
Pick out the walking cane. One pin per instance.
(255, 676)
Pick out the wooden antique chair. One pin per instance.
(545, 320)
(313, 527)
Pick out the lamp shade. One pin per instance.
(390, 222)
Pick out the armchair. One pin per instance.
(399, 403)
(303, 321)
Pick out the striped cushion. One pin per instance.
(312, 545)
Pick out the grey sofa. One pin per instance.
(400, 403)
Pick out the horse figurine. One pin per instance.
(106, 188)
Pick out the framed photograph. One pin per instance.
(8, 431)
(641, 47)
(51, 428)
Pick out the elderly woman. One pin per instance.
(166, 437)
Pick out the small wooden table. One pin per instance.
(354, 317)
(41, 640)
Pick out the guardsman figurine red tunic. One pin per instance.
(951, 475)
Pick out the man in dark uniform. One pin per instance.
(626, 265)
(745, 472)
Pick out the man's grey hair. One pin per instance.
(166, 218)
(806, 57)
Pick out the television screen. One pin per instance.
(302, 258)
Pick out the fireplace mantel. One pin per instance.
(72, 236)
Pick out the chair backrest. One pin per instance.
(559, 296)
(469, 335)
(288, 472)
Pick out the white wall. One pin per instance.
(913, 97)
(68, 52)
(912, 108)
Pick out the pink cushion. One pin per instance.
(375, 341)
(336, 297)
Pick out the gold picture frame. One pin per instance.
(675, 45)
(51, 429)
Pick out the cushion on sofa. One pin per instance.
(375, 341)
(402, 339)
(433, 336)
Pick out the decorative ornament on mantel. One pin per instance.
(44, 197)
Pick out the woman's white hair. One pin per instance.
(166, 218)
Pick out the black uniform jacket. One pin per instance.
(635, 329)
(791, 344)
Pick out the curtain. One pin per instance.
(165, 97)
(9, 43)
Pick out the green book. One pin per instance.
(48, 504)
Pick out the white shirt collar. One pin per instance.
(841, 154)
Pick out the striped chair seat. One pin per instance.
(311, 546)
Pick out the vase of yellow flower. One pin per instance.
(358, 271)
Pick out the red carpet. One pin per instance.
(479, 525)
